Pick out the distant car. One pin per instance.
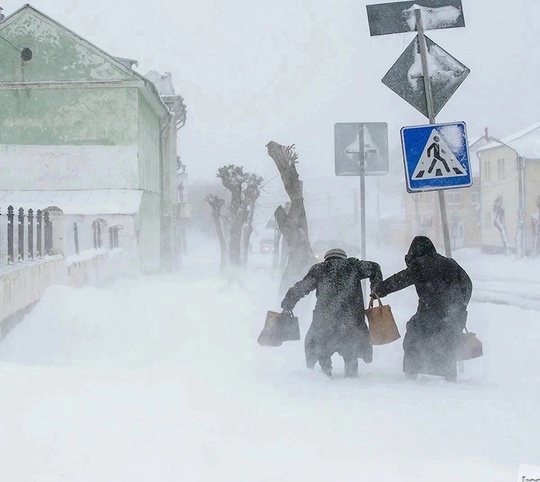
(322, 246)
(266, 246)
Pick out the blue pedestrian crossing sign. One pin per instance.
(436, 156)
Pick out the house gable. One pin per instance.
(57, 53)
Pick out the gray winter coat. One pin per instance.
(338, 318)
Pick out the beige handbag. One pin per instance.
(468, 347)
(382, 326)
(279, 327)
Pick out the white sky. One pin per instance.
(146, 380)
(287, 70)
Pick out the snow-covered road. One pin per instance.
(160, 379)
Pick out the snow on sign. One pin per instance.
(436, 156)
(405, 76)
(399, 17)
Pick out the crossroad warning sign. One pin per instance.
(436, 156)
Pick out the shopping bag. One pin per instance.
(382, 326)
(279, 327)
(468, 346)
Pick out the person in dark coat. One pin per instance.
(338, 318)
(444, 290)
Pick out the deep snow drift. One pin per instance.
(160, 378)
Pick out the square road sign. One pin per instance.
(436, 156)
(399, 17)
(356, 143)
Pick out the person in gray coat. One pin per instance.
(338, 323)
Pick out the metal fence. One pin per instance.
(24, 235)
(28, 235)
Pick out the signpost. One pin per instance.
(423, 63)
(368, 139)
(361, 149)
(399, 17)
(405, 77)
(436, 157)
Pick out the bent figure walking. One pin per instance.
(444, 290)
(338, 318)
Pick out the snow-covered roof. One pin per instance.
(474, 140)
(92, 202)
(163, 82)
(525, 142)
(475, 144)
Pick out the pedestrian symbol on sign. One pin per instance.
(436, 156)
(437, 160)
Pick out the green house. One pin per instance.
(78, 124)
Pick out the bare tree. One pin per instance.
(292, 224)
(251, 194)
(217, 203)
(245, 189)
(500, 223)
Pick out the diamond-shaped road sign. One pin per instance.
(406, 80)
(355, 142)
(436, 156)
(399, 17)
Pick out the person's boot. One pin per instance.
(326, 367)
(351, 368)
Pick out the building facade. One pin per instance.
(510, 193)
(75, 118)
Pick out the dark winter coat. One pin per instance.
(444, 290)
(338, 318)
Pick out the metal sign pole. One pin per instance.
(362, 192)
(362, 161)
(431, 115)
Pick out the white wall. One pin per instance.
(34, 168)
(22, 284)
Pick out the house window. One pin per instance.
(475, 198)
(487, 172)
(500, 169)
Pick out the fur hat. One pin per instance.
(335, 253)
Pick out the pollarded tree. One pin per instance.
(251, 194)
(217, 203)
(292, 224)
(245, 189)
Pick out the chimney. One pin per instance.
(486, 135)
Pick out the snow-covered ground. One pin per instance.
(161, 379)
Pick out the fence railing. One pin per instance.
(32, 239)
(28, 235)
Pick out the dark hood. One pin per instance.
(420, 246)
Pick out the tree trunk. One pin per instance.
(216, 203)
(222, 244)
(248, 229)
(235, 243)
(293, 225)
